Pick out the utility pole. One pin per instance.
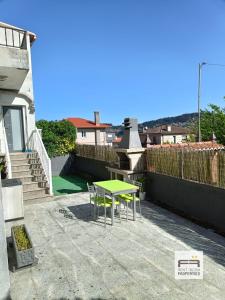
(199, 99)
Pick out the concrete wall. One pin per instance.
(14, 58)
(4, 271)
(90, 137)
(167, 138)
(200, 202)
(71, 164)
(95, 168)
(62, 165)
(170, 139)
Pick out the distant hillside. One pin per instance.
(184, 120)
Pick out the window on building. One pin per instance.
(83, 133)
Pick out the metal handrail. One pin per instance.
(7, 155)
(9, 37)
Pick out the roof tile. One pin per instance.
(193, 146)
(83, 123)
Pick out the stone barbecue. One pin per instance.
(130, 153)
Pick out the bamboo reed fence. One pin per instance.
(207, 166)
(203, 166)
(98, 152)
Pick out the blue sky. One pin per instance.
(124, 58)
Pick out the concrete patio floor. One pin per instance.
(80, 259)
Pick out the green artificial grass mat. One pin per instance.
(68, 185)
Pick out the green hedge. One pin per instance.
(58, 136)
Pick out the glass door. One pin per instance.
(13, 122)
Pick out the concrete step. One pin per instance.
(18, 155)
(25, 179)
(30, 186)
(19, 161)
(27, 167)
(18, 168)
(20, 174)
(29, 155)
(35, 194)
(43, 199)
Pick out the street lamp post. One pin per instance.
(199, 99)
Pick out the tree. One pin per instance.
(58, 136)
(213, 121)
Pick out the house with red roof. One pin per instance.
(90, 132)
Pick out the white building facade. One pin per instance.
(88, 136)
(165, 134)
(19, 137)
(90, 132)
(17, 113)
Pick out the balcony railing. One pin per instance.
(11, 37)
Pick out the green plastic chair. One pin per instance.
(128, 198)
(92, 197)
(138, 199)
(103, 200)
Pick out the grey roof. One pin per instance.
(163, 129)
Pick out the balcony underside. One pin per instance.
(12, 78)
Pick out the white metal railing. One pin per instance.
(7, 155)
(12, 37)
(36, 144)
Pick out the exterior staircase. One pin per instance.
(27, 167)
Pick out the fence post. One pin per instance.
(182, 163)
(214, 168)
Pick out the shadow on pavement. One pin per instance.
(195, 236)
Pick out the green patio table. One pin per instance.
(117, 187)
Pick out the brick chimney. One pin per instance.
(97, 131)
(97, 117)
